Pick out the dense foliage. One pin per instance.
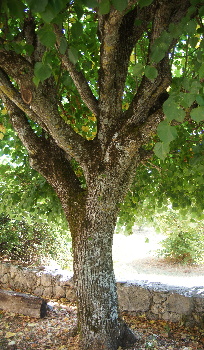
(175, 177)
(33, 243)
(96, 90)
(185, 239)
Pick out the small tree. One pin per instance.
(84, 91)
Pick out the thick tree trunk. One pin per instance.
(99, 323)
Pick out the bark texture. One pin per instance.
(109, 161)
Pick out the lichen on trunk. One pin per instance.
(99, 321)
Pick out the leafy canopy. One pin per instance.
(174, 179)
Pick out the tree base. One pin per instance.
(126, 340)
(128, 337)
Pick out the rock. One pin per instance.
(22, 303)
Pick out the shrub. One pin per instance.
(31, 243)
(185, 239)
(183, 247)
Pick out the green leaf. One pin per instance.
(166, 132)
(200, 100)
(143, 3)
(37, 5)
(197, 114)
(104, 7)
(157, 54)
(201, 72)
(186, 99)
(66, 79)
(63, 46)
(91, 3)
(120, 5)
(180, 115)
(161, 150)
(16, 8)
(138, 69)
(195, 87)
(47, 36)
(173, 111)
(42, 71)
(77, 29)
(151, 72)
(79, 11)
(191, 27)
(73, 55)
(52, 9)
(36, 81)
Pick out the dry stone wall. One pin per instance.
(155, 300)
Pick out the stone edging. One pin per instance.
(154, 300)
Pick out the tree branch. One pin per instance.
(42, 109)
(129, 35)
(165, 13)
(11, 92)
(77, 77)
(120, 34)
(44, 154)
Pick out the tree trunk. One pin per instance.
(99, 323)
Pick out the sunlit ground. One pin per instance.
(135, 258)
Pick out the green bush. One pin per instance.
(185, 239)
(32, 243)
(183, 247)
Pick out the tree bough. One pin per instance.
(88, 109)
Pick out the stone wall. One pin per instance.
(155, 300)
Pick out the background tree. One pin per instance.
(78, 102)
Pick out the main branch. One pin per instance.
(41, 107)
(77, 77)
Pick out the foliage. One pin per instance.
(86, 84)
(31, 243)
(24, 192)
(185, 238)
(177, 180)
(154, 184)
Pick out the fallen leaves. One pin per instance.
(9, 335)
(162, 335)
(57, 331)
(27, 333)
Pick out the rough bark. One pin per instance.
(22, 303)
(109, 161)
(98, 315)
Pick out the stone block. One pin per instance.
(39, 291)
(159, 297)
(13, 270)
(48, 292)
(171, 316)
(59, 292)
(31, 280)
(179, 304)
(19, 279)
(133, 298)
(199, 305)
(46, 279)
(70, 293)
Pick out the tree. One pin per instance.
(84, 84)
